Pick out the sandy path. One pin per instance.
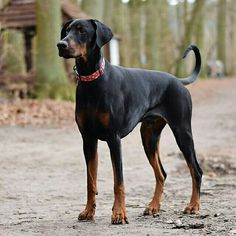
(43, 178)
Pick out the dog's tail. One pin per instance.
(194, 75)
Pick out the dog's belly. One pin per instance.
(131, 123)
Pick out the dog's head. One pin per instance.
(79, 38)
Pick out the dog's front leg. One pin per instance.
(119, 215)
(91, 157)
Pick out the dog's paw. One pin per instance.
(119, 217)
(88, 214)
(192, 208)
(152, 209)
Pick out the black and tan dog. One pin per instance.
(112, 100)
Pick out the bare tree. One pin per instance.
(189, 29)
(221, 31)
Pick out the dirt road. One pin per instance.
(43, 177)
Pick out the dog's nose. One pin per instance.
(62, 44)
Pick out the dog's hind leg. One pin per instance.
(183, 136)
(150, 133)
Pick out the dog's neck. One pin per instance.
(89, 64)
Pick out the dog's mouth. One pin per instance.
(68, 53)
(63, 53)
(66, 50)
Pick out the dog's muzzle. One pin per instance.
(62, 45)
(63, 48)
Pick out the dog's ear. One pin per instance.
(103, 33)
(63, 31)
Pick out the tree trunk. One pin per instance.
(3, 3)
(95, 8)
(134, 21)
(221, 31)
(51, 81)
(13, 52)
(199, 34)
(117, 17)
(165, 39)
(188, 32)
(231, 36)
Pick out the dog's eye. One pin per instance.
(68, 30)
(81, 30)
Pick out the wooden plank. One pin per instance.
(22, 13)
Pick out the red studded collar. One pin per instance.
(94, 76)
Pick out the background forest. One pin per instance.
(42, 168)
(152, 34)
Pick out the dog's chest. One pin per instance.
(93, 121)
(93, 111)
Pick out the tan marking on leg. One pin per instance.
(154, 205)
(194, 205)
(89, 212)
(119, 215)
(154, 160)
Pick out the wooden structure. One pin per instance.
(21, 15)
